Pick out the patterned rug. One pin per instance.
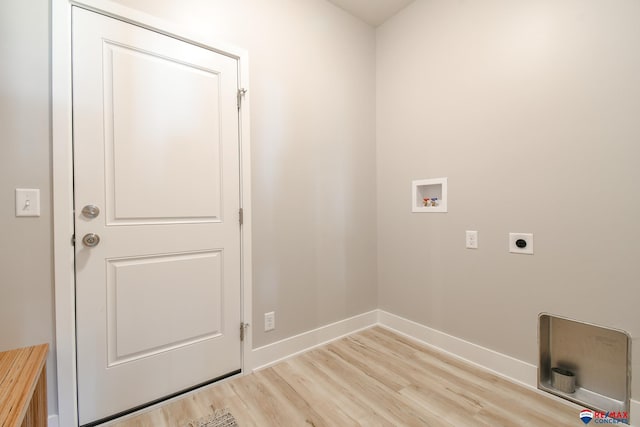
(220, 418)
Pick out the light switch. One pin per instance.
(27, 202)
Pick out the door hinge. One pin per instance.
(241, 215)
(243, 327)
(73, 240)
(241, 93)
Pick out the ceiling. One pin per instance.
(373, 12)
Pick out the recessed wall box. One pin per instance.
(595, 361)
(429, 195)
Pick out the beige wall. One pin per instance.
(532, 110)
(26, 290)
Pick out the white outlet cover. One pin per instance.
(269, 321)
(471, 239)
(527, 237)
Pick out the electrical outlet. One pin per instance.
(269, 321)
(472, 239)
(521, 243)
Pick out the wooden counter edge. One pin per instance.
(24, 387)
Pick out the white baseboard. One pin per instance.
(271, 354)
(500, 364)
(52, 421)
(505, 366)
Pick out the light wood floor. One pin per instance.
(372, 378)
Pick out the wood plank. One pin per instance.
(371, 378)
(23, 387)
(320, 394)
(475, 383)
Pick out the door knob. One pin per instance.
(90, 240)
(91, 211)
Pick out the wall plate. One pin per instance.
(471, 239)
(521, 243)
(269, 321)
(27, 202)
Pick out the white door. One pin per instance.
(155, 125)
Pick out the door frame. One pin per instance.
(62, 171)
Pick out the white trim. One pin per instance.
(634, 412)
(63, 181)
(245, 203)
(52, 421)
(62, 164)
(498, 363)
(271, 354)
(141, 19)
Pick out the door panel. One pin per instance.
(151, 99)
(141, 326)
(156, 149)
